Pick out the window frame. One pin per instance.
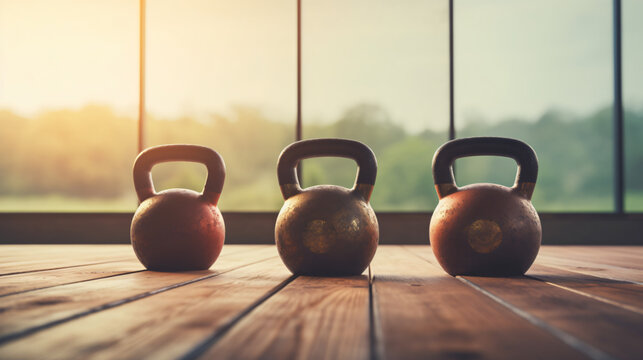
(618, 113)
(616, 227)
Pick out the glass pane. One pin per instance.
(377, 72)
(540, 71)
(223, 74)
(68, 100)
(633, 102)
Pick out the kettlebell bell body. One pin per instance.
(326, 230)
(485, 229)
(178, 229)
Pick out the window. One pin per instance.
(377, 72)
(224, 74)
(633, 103)
(539, 71)
(68, 99)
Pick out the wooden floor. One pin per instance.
(96, 301)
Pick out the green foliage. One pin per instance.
(406, 169)
(81, 159)
(575, 157)
(83, 153)
(250, 145)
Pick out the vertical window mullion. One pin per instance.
(451, 79)
(298, 135)
(141, 78)
(298, 132)
(618, 113)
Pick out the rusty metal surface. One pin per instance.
(177, 230)
(327, 231)
(485, 229)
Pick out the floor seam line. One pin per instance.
(20, 334)
(423, 258)
(594, 297)
(70, 283)
(375, 333)
(62, 267)
(559, 334)
(590, 274)
(221, 331)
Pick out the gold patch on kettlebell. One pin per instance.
(318, 238)
(484, 236)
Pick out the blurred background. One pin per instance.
(223, 74)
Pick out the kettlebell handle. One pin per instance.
(522, 153)
(179, 152)
(293, 153)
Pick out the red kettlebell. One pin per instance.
(178, 229)
(326, 230)
(485, 229)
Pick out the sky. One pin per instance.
(513, 58)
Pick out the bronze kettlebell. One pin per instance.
(485, 229)
(178, 229)
(326, 230)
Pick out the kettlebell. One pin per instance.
(485, 229)
(326, 230)
(178, 229)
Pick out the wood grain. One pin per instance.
(619, 293)
(38, 279)
(601, 328)
(21, 313)
(632, 250)
(592, 268)
(575, 302)
(311, 318)
(424, 313)
(28, 258)
(592, 250)
(610, 329)
(628, 257)
(164, 326)
(45, 252)
(12, 284)
(31, 258)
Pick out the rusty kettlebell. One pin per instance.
(485, 229)
(178, 229)
(327, 230)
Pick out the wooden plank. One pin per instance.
(45, 251)
(311, 318)
(26, 258)
(23, 313)
(30, 258)
(604, 255)
(598, 329)
(606, 328)
(592, 249)
(421, 312)
(164, 326)
(636, 250)
(619, 293)
(592, 268)
(23, 282)
(38, 279)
